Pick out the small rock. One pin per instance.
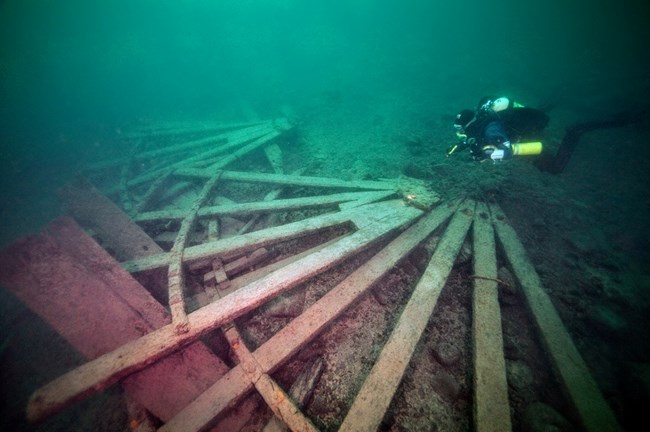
(385, 292)
(446, 353)
(446, 386)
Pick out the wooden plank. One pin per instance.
(187, 129)
(242, 151)
(256, 136)
(75, 286)
(369, 198)
(218, 136)
(235, 141)
(274, 155)
(247, 278)
(294, 180)
(491, 405)
(307, 326)
(373, 399)
(236, 245)
(120, 234)
(300, 391)
(152, 192)
(239, 209)
(133, 356)
(175, 274)
(223, 273)
(274, 396)
(592, 409)
(125, 197)
(274, 194)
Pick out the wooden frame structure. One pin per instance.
(401, 214)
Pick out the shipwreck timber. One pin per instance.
(100, 278)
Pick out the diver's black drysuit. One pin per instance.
(491, 134)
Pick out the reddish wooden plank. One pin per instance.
(119, 233)
(379, 221)
(74, 285)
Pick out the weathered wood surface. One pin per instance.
(242, 151)
(119, 233)
(247, 278)
(69, 281)
(274, 155)
(592, 408)
(226, 271)
(125, 197)
(187, 129)
(246, 142)
(218, 137)
(234, 385)
(491, 404)
(370, 197)
(153, 191)
(300, 391)
(233, 246)
(176, 274)
(274, 194)
(373, 399)
(293, 180)
(274, 396)
(266, 206)
(237, 139)
(378, 221)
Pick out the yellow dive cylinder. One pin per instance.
(529, 148)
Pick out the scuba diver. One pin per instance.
(499, 129)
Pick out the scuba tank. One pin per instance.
(529, 148)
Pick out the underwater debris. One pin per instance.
(214, 280)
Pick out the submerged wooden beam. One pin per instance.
(592, 409)
(274, 396)
(184, 129)
(175, 273)
(491, 404)
(294, 180)
(68, 280)
(219, 136)
(268, 206)
(373, 399)
(274, 194)
(380, 221)
(236, 245)
(153, 191)
(119, 233)
(234, 385)
(300, 391)
(258, 136)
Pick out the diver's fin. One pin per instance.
(557, 164)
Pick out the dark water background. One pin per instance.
(73, 70)
(73, 73)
